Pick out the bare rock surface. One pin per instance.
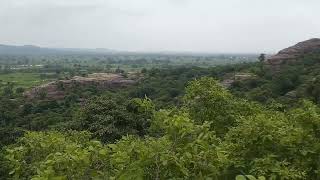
(102, 81)
(291, 54)
(231, 78)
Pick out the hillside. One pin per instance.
(292, 54)
(36, 50)
(290, 75)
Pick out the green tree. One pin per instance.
(207, 100)
(262, 57)
(20, 90)
(54, 155)
(8, 90)
(110, 118)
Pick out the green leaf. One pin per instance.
(251, 177)
(103, 152)
(189, 155)
(241, 177)
(165, 162)
(246, 177)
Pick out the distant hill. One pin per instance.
(293, 53)
(36, 50)
(287, 77)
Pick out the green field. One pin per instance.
(25, 80)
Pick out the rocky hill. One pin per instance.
(58, 89)
(292, 54)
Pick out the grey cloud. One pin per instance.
(178, 25)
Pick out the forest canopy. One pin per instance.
(212, 135)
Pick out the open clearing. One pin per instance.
(25, 80)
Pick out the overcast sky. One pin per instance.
(160, 25)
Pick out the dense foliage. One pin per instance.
(213, 135)
(176, 123)
(295, 81)
(109, 118)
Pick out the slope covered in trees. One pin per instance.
(213, 134)
(294, 81)
(177, 122)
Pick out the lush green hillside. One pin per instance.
(176, 123)
(299, 80)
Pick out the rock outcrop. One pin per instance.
(231, 78)
(102, 81)
(292, 54)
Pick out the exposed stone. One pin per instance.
(291, 54)
(102, 81)
(291, 94)
(231, 78)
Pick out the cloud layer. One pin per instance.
(158, 25)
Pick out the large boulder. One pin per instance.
(292, 54)
(57, 90)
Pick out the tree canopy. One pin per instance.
(214, 135)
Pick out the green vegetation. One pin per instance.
(295, 81)
(23, 80)
(110, 62)
(178, 122)
(254, 140)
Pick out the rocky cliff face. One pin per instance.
(57, 90)
(292, 54)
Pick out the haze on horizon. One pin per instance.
(239, 26)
